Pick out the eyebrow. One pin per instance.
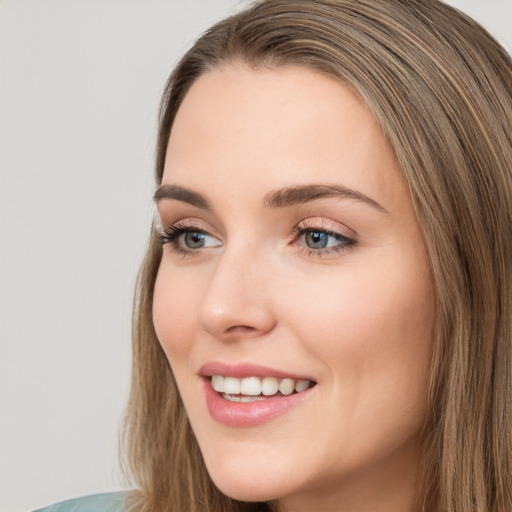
(282, 198)
(299, 194)
(181, 194)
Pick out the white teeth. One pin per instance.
(240, 398)
(231, 385)
(252, 387)
(218, 382)
(286, 386)
(301, 385)
(269, 386)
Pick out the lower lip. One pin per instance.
(249, 414)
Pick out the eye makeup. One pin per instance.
(312, 237)
(318, 238)
(187, 239)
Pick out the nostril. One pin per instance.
(240, 329)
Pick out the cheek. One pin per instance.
(371, 326)
(174, 304)
(363, 304)
(373, 334)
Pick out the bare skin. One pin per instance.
(337, 288)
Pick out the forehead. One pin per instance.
(276, 127)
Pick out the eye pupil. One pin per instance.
(316, 239)
(193, 239)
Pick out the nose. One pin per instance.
(236, 302)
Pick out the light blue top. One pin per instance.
(109, 502)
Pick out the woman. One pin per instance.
(323, 317)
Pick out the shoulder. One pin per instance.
(109, 502)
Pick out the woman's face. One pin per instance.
(293, 261)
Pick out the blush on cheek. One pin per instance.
(169, 319)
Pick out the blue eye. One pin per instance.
(192, 239)
(321, 241)
(188, 239)
(316, 239)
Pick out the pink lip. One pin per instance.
(248, 414)
(242, 370)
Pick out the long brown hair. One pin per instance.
(441, 88)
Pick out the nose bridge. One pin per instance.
(236, 298)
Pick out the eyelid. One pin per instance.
(171, 234)
(327, 227)
(186, 223)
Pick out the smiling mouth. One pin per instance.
(253, 389)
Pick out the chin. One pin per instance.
(246, 491)
(244, 484)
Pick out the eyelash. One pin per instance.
(344, 242)
(172, 234)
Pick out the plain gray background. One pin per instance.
(79, 88)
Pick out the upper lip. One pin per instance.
(241, 370)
